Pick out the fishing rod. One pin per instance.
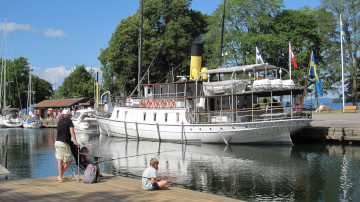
(131, 156)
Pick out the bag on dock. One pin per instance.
(91, 174)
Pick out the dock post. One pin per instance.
(137, 130)
(182, 132)
(5, 159)
(158, 130)
(226, 142)
(126, 134)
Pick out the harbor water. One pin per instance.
(314, 172)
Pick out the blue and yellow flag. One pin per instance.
(314, 73)
(342, 30)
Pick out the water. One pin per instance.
(252, 173)
(329, 103)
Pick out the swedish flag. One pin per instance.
(342, 30)
(314, 73)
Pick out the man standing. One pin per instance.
(65, 131)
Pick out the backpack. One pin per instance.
(91, 174)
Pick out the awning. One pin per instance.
(244, 68)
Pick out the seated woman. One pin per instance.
(84, 161)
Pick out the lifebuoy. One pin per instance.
(142, 103)
(171, 103)
(163, 103)
(156, 103)
(148, 103)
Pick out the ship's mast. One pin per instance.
(4, 97)
(140, 46)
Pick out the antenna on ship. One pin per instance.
(222, 34)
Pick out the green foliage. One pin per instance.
(247, 24)
(17, 77)
(169, 28)
(349, 10)
(79, 83)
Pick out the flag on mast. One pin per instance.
(313, 72)
(342, 30)
(293, 56)
(342, 41)
(258, 57)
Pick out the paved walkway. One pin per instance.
(345, 120)
(110, 188)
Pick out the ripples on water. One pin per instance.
(255, 173)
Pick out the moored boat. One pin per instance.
(210, 111)
(12, 119)
(84, 120)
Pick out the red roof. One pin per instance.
(59, 103)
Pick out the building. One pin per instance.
(50, 109)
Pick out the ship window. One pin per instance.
(177, 117)
(149, 91)
(117, 114)
(166, 117)
(154, 116)
(144, 116)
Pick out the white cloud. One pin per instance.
(54, 33)
(56, 75)
(11, 26)
(49, 32)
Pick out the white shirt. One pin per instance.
(146, 177)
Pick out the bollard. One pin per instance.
(5, 160)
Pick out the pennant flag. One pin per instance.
(293, 57)
(314, 73)
(342, 30)
(258, 57)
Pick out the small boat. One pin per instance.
(11, 119)
(85, 121)
(32, 122)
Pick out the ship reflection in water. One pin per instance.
(299, 172)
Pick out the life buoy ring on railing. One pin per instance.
(156, 103)
(148, 103)
(163, 103)
(142, 103)
(171, 103)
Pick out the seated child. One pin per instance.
(84, 161)
(149, 181)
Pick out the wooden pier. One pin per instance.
(110, 188)
(331, 127)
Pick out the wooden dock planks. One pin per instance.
(109, 188)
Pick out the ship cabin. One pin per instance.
(227, 95)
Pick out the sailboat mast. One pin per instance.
(30, 88)
(140, 47)
(4, 97)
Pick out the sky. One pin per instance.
(55, 36)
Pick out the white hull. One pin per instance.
(87, 126)
(32, 125)
(13, 123)
(269, 132)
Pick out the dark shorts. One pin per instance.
(155, 186)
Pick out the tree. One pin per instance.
(17, 79)
(349, 10)
(247, 25)
(79, 83)
(169, 28)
